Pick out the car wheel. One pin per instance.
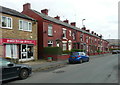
(81, 60)
(88, 60)
(70, 62)
(24, 74)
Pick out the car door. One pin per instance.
(83, 55)
(9, 72)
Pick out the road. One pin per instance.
(97, 70)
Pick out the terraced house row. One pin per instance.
(32, 31)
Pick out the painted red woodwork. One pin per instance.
(17, 41)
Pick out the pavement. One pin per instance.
(40, 65)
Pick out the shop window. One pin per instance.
(30, 51)
(50, 43)
(11, 51)
(6, 22)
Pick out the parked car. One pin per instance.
(10, 70)
(78, 57)
(115, 51)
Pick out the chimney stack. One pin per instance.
(84, 28)
(73, 23)
(57, 17)
(44, 11)
(66, 21)
(100, 36)
(88, 30)
(26, 6)
(92, 32)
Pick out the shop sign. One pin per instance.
(17, 41)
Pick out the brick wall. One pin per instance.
(15, 33)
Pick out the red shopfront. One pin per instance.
(18, 48)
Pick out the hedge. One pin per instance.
(73, 50)
(52, 50)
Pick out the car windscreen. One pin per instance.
(3, 62)
(75, 53)
(82, 53)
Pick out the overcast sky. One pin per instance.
(101, 15)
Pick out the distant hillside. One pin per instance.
(113, 41)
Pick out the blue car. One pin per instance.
(78, 57)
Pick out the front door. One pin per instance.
(23, 51)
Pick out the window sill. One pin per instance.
(6, 27)
(50, 35)
(25, 30)
(64, 38)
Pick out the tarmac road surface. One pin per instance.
(97, 70)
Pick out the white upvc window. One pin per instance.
(70, 33)
(64, 33)
(50, 43)
(81, 37)
(50, 30)
(11, 51)
(74, 36)
(25, 25)
(64, 46)
(87, 38)
(6, 22)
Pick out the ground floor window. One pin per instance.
(26, 51)
(50, 43)
(11, 51)
(21, 51)
(69, 46)
(64, 46)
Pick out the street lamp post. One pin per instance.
(82, 22)
(83, 36)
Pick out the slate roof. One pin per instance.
(46, 17)
(14, 13)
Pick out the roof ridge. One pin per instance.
(14, 12)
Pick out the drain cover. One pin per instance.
(60, 71)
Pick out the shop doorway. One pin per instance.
(26, 52)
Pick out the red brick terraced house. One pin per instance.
(53, 32)
(18, 35)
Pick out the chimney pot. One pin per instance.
(66, 21)
(88, 30)
(44, 11)
(73, 23)
(26, 6)
(92, 32)
(84, 28)
(57, 17)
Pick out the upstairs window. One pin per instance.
(70, 33)
(64, 33)
(81, 37)
(74, 38)
(50, 30)
(87, 38)
(25, 25)
(6, 22)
